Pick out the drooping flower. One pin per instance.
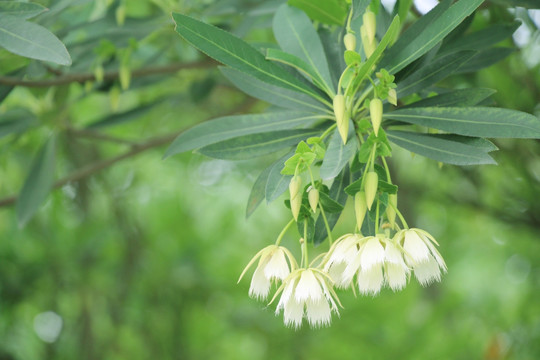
(339, 256)
(308, 293)
(421, 255)
(272, 265)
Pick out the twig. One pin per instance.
(81, 78)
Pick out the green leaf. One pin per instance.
(298, 64)
(256, 195)
(432, 31)
(272, 94)
(326, 11)
(277, 182)
(338, 194)
(403, 7)
(296, 35)
(250, 146)
(124, 117)
(229, 127)
(462, 97)
(236, 53)
(31, 40)
(38, 183)
(485, 58)
(338, 154)
(480, 40)
(20, 9)
(359, 7)
(433, 73)
(16, 121)
(441, 148)
(472, 121)
(368, 65)
(310, 227)
(329, 205)
(480, 143)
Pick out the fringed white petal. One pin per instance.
(428, 271)
(370, 281)
(396, 275)
(308, 287)
(277, 267)
(260, 285)
(372, 254)
(318, 312)
(293, 313)
(415, 247)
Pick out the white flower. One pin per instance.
(338, 258)
(395, 269)
(272, 266)
(309, 293)
(421, 255)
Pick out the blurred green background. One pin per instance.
(141, 260)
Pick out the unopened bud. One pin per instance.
(341, 119)
(99, 73)
(360, 207)
(368, 44)
(370, 187)
(295, 196)
(392, 97)
(120, 15)
(313, 197)
(350, 42)
(125, 77)
(391, 209)
(370, 24)
(114, 98)
(375, 112)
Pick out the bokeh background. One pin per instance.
(141, 260)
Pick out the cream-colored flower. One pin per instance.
(272, 265)
(421, 255)
(339, 256)
(307, 293)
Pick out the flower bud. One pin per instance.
(350, 42)
(360, 208)
(391, 209)
(375, 111)
(313, 197)
(295, 196)
(370, 24)
(341, 118)
(370, 187)
(99, 73)
(125, 77)
(392, 97)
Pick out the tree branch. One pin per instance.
(136, 149)
(112, 75)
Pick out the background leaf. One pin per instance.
(338, 154)
(330, 12)
(38, 183)
(461, 97)
(31, 40)
(21, 9)
(277, 183)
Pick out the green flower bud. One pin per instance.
(369, 45)
(99, 73)
(313, 197)
(295, 196)
(360, 207)
(341, 118)
(370, 187)
(391, 209)
(375, 111)
(350, 42)
(370, 24)
(120, 15)
(125, 77)
(392, 97)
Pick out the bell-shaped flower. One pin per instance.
(339, 256)
(421, 254)
(307, 293)
(272, 266)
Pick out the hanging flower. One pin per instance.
(421, 255)
(272, 266)
(338, 258)
(307, 293)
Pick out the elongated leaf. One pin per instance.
(334, 49)
(124, 117)
(326, 11)
(16, 121)
(256, 195)
(359, 7)
(298, 64)
(337, 192)
(228, 127)
(485, 58)
(367, 67)
(296, 35)
(235, 52)
(480, 143)
(277, 182)
(419, 43)
(250, 146)
(462, 97)
(480, 40)
(38, 183)
(338, 155)
(433, 73)
(473, 121)
(20, 9)
(275, 95)
(440, 148)
(31, 40)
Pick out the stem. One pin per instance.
(327, 131)
(304, 245)
(362, 98)
(328, 231)
(387, 170)
(377, 217)
(282, 233)
(401, 218)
